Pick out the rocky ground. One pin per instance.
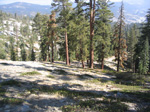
(33, 93)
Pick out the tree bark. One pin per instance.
(45, 58)
(102, 62)
(92, 20)
(120, 34)
(83, 65)
(52, 52)
(134, 68)
(118, 59)
(49, 57)
(52, 47)
(102, 66)
(67, 53)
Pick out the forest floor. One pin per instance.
(47, 87)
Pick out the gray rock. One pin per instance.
(1, 109)
(7, 107)
(62, 101)
(109, 86)
(119, 94)
(25, 108)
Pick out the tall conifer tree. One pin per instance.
(132, 38)
(120, 41)
(142, 47)
(40, 27)
(80, 29)
(92, 22)
(102, 31)
(92, 4)
(52, 32)
(64, 9)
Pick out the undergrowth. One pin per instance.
(96, 106)
(30, 73)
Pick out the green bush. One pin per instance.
(30, 73)
(50, 76)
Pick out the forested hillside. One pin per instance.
(71, 35)
(17, 37)
(75, 46)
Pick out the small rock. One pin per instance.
(119, 94)
(7, 107)
(108, 86)
(61, 101)
(25, 108)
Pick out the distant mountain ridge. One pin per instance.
(133, 13)
(23, 8)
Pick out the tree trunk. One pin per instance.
(16, 42)
(52, 46)
(87, 61)
(92, 19)
(83, 65)
(102, 61)
(118, 59)
(56, 53)
(120, 35)
(45, 58)
(133, 67)
(49, 57)
(52, 52)
(102, 66)
(67, 53)
(81, 53)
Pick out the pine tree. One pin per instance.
(44, 48)
(52, 33)
(32, 55)
(142, 48)
(80, 29)
(40, 28)
(92, 4)
(132, 38)
(2, 47)
(23, 52)
(12, 49)
(12, 54)
(1, 20)
(92, 22)
(120, 41)
(144, 58)
(16, 30)
(102, 31)
(25, 31)
(64, 8)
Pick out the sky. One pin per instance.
(48, 2)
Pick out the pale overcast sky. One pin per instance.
(48, 2)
